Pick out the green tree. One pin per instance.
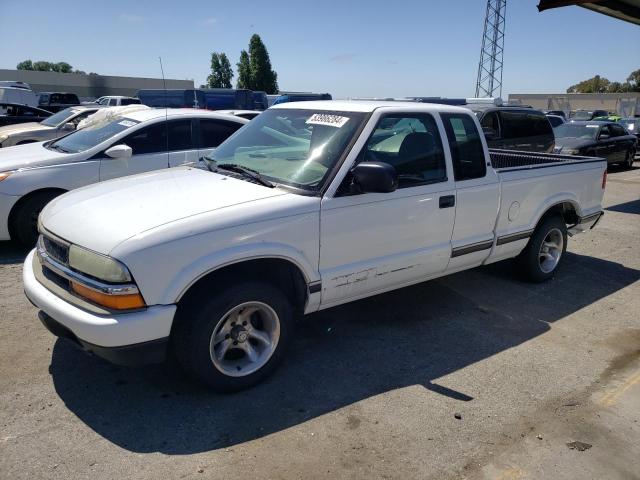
(244, 71)
(221, 72)
(263, 77)
(26, 65)
(596, 84)
(633, 81)
(61, 67)
(617, 87)
(42, 66)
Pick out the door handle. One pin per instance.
(447, 201)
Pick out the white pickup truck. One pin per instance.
(310, 205)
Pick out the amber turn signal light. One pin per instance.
(112, 302)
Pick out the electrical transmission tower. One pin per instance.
(490, 68)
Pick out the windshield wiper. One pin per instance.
(57, 148)
(234, 167)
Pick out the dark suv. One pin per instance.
(56, 101)
(515, 128)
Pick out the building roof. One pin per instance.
(627, 10)
(152, 113)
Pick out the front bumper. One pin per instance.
(6, 204)
(108, 335)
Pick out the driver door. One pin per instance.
(372, 242)
(149, 152)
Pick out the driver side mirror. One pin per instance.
(119, 151)
(375, 177)
(69, 127)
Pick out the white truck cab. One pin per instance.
(308, 206)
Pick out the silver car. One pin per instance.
(55, 126)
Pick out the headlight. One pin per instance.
(571, 151)
(4, 175)
(3, 138)
(98, 266)
(121, 296)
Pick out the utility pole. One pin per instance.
(489, 82)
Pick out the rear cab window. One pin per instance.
(466, 147)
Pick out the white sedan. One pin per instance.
(115, 146)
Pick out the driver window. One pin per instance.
(605, 131)
(412, 145)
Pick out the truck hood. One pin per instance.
(31, 155)
(103, 215)
(22, 128)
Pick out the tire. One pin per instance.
(532, 265)
(23, 223)
(628, 160)
(206, 331)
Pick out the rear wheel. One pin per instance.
(541, 257)
(236, 338)
(23, 223)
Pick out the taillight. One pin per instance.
(604, 179)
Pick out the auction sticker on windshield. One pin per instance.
(328, 120)
(592, 126)
(127, 123)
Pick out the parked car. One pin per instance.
(13, 113)
(559, 113)
(56, 101)
(632, 124)
(301, 97)
(116, 101)
(32, 175)
(555, 120)
(584, 115)
(19, 95)
(599, 139)
(216, 262)
(515, 128)
(55, 126)
(608, 118)
(248, 114)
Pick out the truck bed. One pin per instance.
(510, 160)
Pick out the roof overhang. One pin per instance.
(627, 10)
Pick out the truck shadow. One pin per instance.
(12, 253)
(409, 337)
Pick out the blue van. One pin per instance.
(172, 98)
(301, 97)
(260, 101)
(228, 99)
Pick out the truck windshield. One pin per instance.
(92, 135)
(571, 130)
(58, 118)
(294, 147)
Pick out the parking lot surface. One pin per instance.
(476, 375)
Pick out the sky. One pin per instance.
(347, 48)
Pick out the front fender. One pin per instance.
(199, 267)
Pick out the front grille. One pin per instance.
(56, 250)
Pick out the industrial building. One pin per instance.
(624, 104)
(88, 86)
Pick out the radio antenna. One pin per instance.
(166, 112)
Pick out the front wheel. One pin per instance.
(541, 257)
(236, 336)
